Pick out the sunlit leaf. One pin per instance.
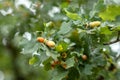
(105, 30)
(33, 60)
(64, 5)
(47, 64)
(62, 46)
(110, 13)
(73, 16)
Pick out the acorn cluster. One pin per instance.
(45, 41)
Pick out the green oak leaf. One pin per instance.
(65, 28)
(99, 6)
(59, 74)
(70, 62)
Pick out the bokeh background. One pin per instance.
(17, 19)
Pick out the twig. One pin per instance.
(111, 42)
(118, 35)
(117, 40)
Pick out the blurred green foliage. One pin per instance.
(66, 22)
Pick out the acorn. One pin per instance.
(40, 39)
(50, 43)
(84, 57)
(94, 24)
(54, 63)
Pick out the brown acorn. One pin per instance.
(40, 39)
(84, 57)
